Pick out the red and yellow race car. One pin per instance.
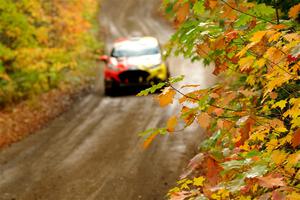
(134, 62)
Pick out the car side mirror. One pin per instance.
(103, 58)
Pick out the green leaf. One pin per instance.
(199, 7)
(176, 79)
(151, 90)
(258, 170)
(243, 20)
(236, 164)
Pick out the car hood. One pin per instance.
(141, 61)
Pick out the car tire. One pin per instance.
(110, 88)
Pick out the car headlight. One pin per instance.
(113, 66)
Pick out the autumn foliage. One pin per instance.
(251, 116)
(44, 45)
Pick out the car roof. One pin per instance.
(136, 42)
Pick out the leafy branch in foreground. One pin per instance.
(251, 116)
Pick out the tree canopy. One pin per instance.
(251, 116)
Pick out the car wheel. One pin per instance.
(110, 88)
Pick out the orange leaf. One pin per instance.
(244, 131)
(229, 12)
(182, 12)
(258, 36)
(213, 169)
(291, 36)
(279, 26)
(219, 111)
(270, 181)
(275, 55)
(212, 3)
(188, 115)
(171, 124)
(166, 97)
(294, 11)
(296, 138)
(204, 120)
(188, 86)
(203, 49)
(220, 67)
(276, 195)
(219, 43)
(149, 140)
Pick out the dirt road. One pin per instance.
(93, 152)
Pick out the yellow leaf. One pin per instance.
(261, 62)
(281, 129)
(251, 80)
(246, 62)
(292, 36)
(294, 11)
(281, 104)
(272, 144)
(293, 196)
(278, 157)
(198, 181)
(274, 55)
(245, 198)
(171, 124)
(166, 97)
(204, 120)
(258, 36)
(274, 37)
(259, 135)
(245, 49)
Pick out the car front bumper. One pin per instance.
(138, 76)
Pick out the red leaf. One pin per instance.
(213, 170)
(271, 181)
(276, 195)
(296, 138)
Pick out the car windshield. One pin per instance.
(133, 52)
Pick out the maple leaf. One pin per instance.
(166, 97)
(149, 140)
(281, 104)
(276, 195)
(271, 181)
(203, 49)
(188, 115)
(218, 111)
(278, 157)
(294, 11)
(171, 124)
(293, 196)
(220, 67)
(204, 120)
(258, 36)
(182, 11)
(190, 86)
(213, 170)
(296, 138)
(246, 62)
(274, 55)
(180, 195)
(198, 181)
(211, 4)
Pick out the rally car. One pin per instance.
(134, 61)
